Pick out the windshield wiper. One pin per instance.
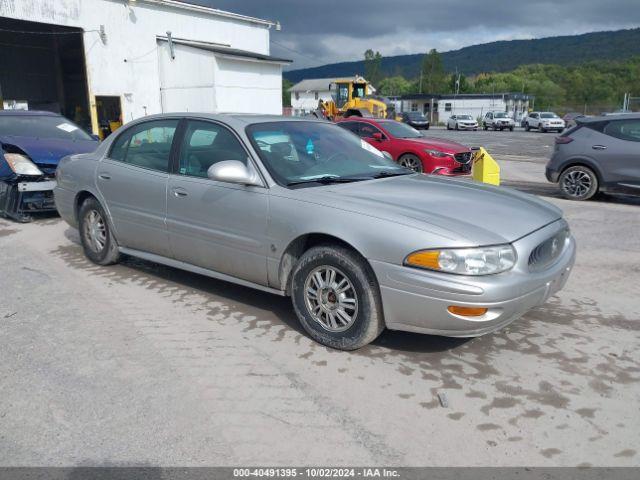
(385, 174)
(326, 180)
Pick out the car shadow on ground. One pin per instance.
(248, 300)
(552, 190)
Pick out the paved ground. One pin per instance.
(139, 364)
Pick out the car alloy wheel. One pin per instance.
(330, 298)
(95, 231)
(412, 162)
(576, 183)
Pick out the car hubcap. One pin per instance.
(411, 162)
(95, 231)
(576, 183)
(331, 298)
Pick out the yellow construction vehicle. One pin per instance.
(351, 99)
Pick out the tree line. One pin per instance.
(585, 86)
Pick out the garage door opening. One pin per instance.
(43, 68)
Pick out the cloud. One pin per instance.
(316, 33)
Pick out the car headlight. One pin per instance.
(21, 165)
(437, 153)
(465, 261)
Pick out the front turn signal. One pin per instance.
(467, 311)
(424, 259)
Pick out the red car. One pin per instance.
(409, 148)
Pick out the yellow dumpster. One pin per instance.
(485, 168)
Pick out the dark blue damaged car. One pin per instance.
(31, 145)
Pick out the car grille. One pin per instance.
(464, 157)
(545, 254)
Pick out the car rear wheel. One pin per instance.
(336, 297)
(411, 161)
(98, 242)
(578, 183)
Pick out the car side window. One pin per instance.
(351, 126)
(147, 145)
(367, 130)
(206, 143)
(624, 130)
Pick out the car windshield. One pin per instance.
(400, 130)
(41, 126)
(500, 115)
(464, 117)
(548, 115)
(313, 153)
(415, 115)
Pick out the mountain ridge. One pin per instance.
(498, 56)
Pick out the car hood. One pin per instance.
(438, 143)
(468, 213)
(47, 152)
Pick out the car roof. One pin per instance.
(608, 118)
(41, 113)
(237, 120)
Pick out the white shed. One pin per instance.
(104, 61)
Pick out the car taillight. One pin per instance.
(563, 140)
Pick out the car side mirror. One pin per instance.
(377, 136)
(233, 171)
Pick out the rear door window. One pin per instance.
(147, 145)
(624, 130)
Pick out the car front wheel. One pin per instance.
(411, 161)
(98, 242)
(578, 183)
(336, 297)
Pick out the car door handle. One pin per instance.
(104, 176)
(179, 192)
(599, 147)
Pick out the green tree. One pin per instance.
(372, 67)
(432, 76)
(397, 85)
(286, 94)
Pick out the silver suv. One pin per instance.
(498, 121)
(598, 154)
(544, 121)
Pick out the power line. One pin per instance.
(294, 51)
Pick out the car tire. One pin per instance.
(97, 239)
(448, 127)
(360, 320)
(511, 129)
(543, 130)
(411, 161)
(457, 128)
(484, 127)
(578, 183)
(527, 127)
(427, 127)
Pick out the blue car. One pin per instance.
(31, 145)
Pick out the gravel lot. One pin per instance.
(140, 364)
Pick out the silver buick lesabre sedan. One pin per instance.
(303, 208)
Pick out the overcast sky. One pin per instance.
(317, 32)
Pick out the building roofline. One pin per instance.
(211, 11)
(451, 96)
(225, 50)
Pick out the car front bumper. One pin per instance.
(19, 199)
(417, 300)
(467, 127)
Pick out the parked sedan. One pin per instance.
(410, 148)
(461, 122)
(31, 144)
(416, 119)
(598, 154)
(305, 209)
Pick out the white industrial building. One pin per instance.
(103, 61)
(306, 93)
(438, 108)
